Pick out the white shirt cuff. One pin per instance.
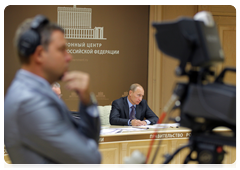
(148, 122)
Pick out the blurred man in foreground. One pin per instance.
(37, 125)
(132, 110)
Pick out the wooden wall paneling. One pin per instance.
(173, 12)
(154, 62)
(169, 64)
(228, 39)
(223, 10)
(161, 75)
(227, 33)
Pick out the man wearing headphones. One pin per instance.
(37, 125)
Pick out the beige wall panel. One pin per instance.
(154, 60)
(161, 75)
(225, 21)
(172, 12)
(169, 64)
(226, 10)
(228, 35)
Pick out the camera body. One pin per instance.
(192, 41)
(215, 102)
(189, 40)
(204, 106)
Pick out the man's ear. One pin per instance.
(38, 54)
(130, 92)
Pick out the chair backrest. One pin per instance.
(104, 112)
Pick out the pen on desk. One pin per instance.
(119, 131)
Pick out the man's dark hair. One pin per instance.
(45, 34)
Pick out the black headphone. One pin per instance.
(30, 39)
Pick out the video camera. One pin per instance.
(203, 105)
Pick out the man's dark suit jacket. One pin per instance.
(119, 114)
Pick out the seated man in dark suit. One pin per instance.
(132, 109)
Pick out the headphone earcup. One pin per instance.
(30, 39)
(28, 42)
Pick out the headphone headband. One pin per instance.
(30, 39)
(39, 21)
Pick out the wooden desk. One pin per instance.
(115, 147)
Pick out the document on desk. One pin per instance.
(160, 126)
(110, 131)
(167, 125)
(135, 128)
(145, 127)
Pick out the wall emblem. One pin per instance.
(77, 23)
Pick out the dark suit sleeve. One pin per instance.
(150, 115)
(116, 114)
(75, 115)
(90, 126)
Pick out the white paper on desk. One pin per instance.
(110, 131)
(167, 125)
(151, 126)
(133, 129)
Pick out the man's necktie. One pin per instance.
(132, 114)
